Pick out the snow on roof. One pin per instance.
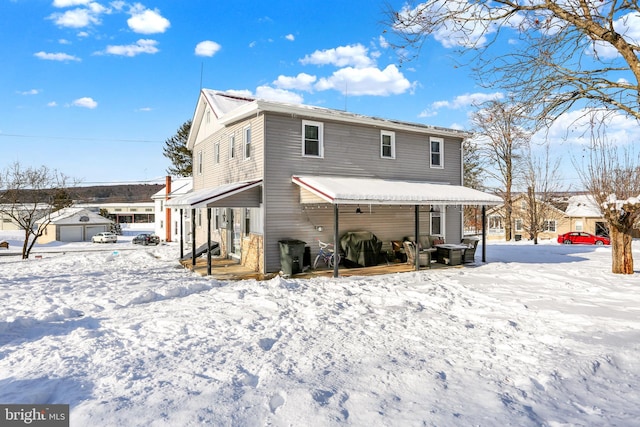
(583, 205)
(230, 108)
(223, 103)
(68, 215)
(347, 190)
(204, 196)
(179, 186)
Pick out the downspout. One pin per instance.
(336, 248)
(193, 237)
(208, 241)
(484, 234)
(167, 217)
(417, 234)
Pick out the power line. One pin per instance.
(15, 135)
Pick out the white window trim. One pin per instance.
(518, 224)
(392, 136)
(216, 152)
(246, 142)
(200, 162)
(441, 153)
(439, 212)
(320, 127)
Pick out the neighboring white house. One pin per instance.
(73, 225)
(167, 220)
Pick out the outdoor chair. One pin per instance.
(469, 253)
(410, 251)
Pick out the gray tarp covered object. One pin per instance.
(360, 248)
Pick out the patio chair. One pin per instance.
(469, 253)
(410, 251)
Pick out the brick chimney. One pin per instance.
(167, 210)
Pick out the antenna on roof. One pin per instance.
(201, 71)
(346, 94)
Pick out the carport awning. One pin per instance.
(237, 195)
(351, 191)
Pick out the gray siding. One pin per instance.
(349, 150)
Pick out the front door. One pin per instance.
(236, 232)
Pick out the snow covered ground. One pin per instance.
(540, 336)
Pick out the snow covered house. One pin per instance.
(73, 225)
(584, 214)
(266, 172)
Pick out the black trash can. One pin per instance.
(291, 256)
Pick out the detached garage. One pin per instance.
(74, 225)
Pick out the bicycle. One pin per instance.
(327, 254)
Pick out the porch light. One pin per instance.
(358, 210)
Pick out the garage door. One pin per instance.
(71, 233)
(93, 230)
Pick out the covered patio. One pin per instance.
(352, 191)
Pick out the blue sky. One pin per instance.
(94, 88)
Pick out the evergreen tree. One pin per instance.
(176, 150)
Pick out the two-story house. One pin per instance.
(266, 171)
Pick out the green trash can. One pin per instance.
(291, 256)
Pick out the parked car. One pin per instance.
(105, 237)
(146, 239)
(580, 237)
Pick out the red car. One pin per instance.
(582, 238)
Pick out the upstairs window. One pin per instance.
(247, 142)
(232, 147)
(200, 159)
(436, 149)
(216, 153)
(387, 144)
(312, 139)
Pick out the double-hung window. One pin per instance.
(247, 142)
(232, 146)
(549, 225)
(387, 144)
(312, 139)
(436, 151)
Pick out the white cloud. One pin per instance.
(85, 102)
(366, 81)
(460, 102)
(352, 55)
(147, 21)
(628, 26)
(207, 48)
(141, 46)
(290, 37)
(56, 56)
(145, 109)
(302, 81)
(52, 104)
(76, 18)
(69, 3)
(574, 127)
(30, 92)
(280, 95)
(383, 42)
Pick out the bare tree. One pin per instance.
(472, 178)
(561, 53)
(28, 196)
(612, 179)
(501, 137)
(542, 177)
